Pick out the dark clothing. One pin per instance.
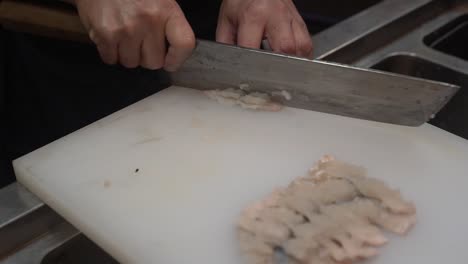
(50, 88)
(53, 88)
(6, 175)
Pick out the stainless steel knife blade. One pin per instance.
(316, 85)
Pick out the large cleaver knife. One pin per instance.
(313, 85)
(316, 85)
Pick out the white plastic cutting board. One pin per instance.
(164, 180)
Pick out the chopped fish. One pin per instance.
(328, 192)
(256, 250)
(377, 214)
(334, 215)
(241, 97)
(369, 187)
(228, 96)
(376, 189)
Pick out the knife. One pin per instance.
(316, 85)
(312, 84)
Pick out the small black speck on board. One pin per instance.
(137, 170)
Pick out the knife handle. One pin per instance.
(44, 20)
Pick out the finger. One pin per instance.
(280, 36)
(181, 40)
(250, 34)
(106, 47)
(153, 50)
(129, 51)
(225, 32)
(302, 39)
(108, 53)
(304, 45)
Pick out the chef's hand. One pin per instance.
(133, 33)
(247, 22)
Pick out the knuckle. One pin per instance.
(152, 15)
(256, 9)
(114, 31)
(186, 42)
(108, 34)
(128, 29)
(157, 13)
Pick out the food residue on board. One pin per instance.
(245, 99)
(244, 86)
(333, 215)
(107, 184)
(285, 94)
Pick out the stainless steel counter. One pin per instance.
(395, 35)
